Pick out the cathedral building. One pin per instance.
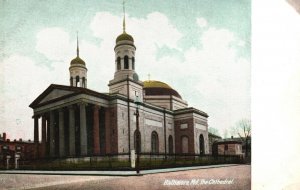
(77, 121)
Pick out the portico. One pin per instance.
(71, 126)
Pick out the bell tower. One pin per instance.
(126, 80)
(78, 71)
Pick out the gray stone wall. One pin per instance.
(202, 121)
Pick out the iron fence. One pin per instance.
(123, 161)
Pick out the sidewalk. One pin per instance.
(112, 173)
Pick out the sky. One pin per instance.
(201, 48)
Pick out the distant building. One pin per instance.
(230, 146)
(3, 137)
(25, 149)
(211, 139)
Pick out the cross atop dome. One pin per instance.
(125, 66)
(124, 36)
(77, 59)
(77, 46)
(124, 24)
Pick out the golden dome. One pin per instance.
(155, 84)
(158, 88)
(77, 60)
(124, 36)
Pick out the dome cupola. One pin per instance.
(124, 36)
(124, 54)
(77, 60)
(158, 88)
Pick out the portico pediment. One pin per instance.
(56, 93)
(52, 93)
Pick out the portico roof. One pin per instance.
(62, 92)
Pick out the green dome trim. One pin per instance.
(77, 60)
(124, 36)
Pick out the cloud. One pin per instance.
(212, 78)
(154, 30)
(54, 44)
(241, 43)
(216, 39)
(223, 78)
(20, 88)
(150, 34)
(202, 23)
(60, 50)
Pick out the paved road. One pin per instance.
(238, 178)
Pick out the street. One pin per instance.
(232, 177)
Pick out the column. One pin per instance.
(74, 81)
(43, 129)
(96, 131)
(36, 136)
(61, 133)
(48, 135)
(130, 63)
(107, 130)
(71, 131)
(52, 134)
(43, 136)
(36, 129)
(83, 133)
(80, 80)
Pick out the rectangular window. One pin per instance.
(184, 126)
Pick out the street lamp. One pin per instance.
(137, 115)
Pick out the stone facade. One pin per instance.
(230, 149)
(77, 121)
(230, 146)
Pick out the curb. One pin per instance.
(120, 173)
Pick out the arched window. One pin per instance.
(154, 142)
(83, 82)
(170, 144)
(71, 81)
(184, 144)
(77, 81)
(126, 66)
(133, 61)
(137, 141)
(201, 145)
(118, 63)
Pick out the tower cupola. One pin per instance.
(126, 80)
(78, 71)
(124, 53)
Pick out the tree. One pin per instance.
(243, 130)
(213, 131)
(225, 133)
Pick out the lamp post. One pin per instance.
(137, 115)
